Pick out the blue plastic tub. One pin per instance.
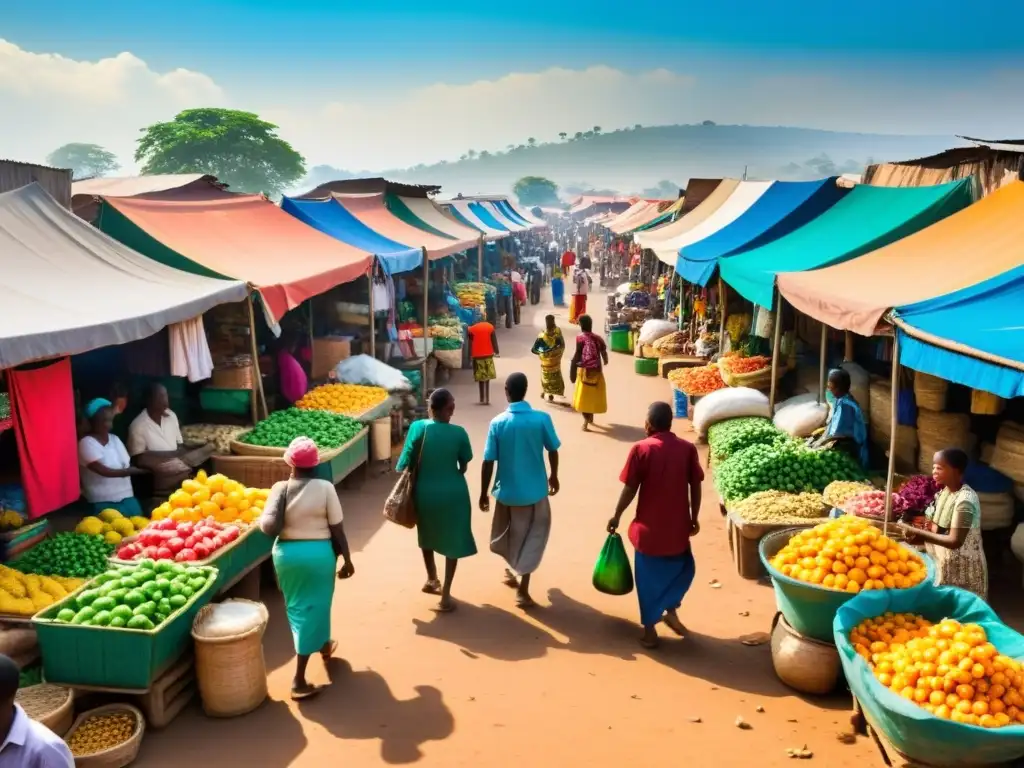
(557, 292)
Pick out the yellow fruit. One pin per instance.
(138, 522)
(92, 526)
(180, 499)
(109, 515)
(190, 486)
(201, 495)
(123, 527)
(112, 537)
(201, 477)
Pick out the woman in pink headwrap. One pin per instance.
(304, 513)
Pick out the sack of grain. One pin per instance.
(996, 510)
(930, 391)
(1008, 456)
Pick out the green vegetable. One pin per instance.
(66, 614)
(76, 555)
(32, 675)
(327, 430)
(728, 437)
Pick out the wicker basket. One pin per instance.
(252, 471)
(985, 403)
(930, 391)
(231, 671)
(115, 757)
(232, 378)
(59, 719)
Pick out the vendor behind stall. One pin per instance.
(106, 470)
(293, 379)
(953, 538)
(846, 429)
(155, 443)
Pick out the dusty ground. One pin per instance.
(490, 686)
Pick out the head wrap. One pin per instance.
(95, 405)
(302, 454)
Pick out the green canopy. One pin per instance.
(400, 210)
(863, 221)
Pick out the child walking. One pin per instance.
(483, 347)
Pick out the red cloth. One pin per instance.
(43, 405)
(481, 344)
(662, 467)
(568, 259)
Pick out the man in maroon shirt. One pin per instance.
(665, 470)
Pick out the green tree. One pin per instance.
(84, 160)
(237, 147)
(536, 190)
(563, 135)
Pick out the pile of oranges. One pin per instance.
(849, 555)
(216, 496)
(346, 399)
(949, 668)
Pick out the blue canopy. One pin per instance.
(785, 207)
(938, 335)
(485, 216)
(333, 219)
(506, 209)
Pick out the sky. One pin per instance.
(390, 84)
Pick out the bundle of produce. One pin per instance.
(849, 554)
(918, 493)
(737, 326)
(936, 431)
(727, 437)
(672, 344)
(216, 496)
(327, 430)
(1008, 456)
(837, 493)
(736, 364)
(444, 321)
(347, 399)
(780, 507)
(754, 371)
(77, 555)
(448, 344)
(217, 435)
(949, 669)
(871, 505)
(444, 332)
(697, 382)
(472, 294)
(111, 525)
(139, 596)
(784, 466)
(183, 542)
(25, 594)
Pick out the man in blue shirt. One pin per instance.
(846, 429)
(24, 743)
(517, 440)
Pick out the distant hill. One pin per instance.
(638, 159)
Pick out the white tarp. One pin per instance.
(634, 210)
(427, 211)
(68, 288)
(652, 238)
(744, 196)
(462, 206)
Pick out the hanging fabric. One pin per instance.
(190, 352)
(43, 408)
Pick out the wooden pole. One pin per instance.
(480, 259)
(894, 397)
(257, 383)
(679, 299)
(776, 352)
(821, 372)
(426, 294)
(724, 305)
(373, 317)
(848, 347)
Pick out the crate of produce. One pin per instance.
(745, 536)
(233, 401)
(119, 658)
(810, 608)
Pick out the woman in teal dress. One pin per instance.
(443, 453)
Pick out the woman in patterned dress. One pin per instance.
(954, 537)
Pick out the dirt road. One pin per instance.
(490, 686)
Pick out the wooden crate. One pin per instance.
(170, 693)
(744, 539)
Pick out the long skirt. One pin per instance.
(577, 307)
(483, 369)
(591, 395)
(661, 583)
(520, 534)
(551, 381)
(306, 572)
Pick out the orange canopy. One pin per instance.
(979, 242)
(245, 237)
(372, 211)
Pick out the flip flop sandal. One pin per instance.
(432, 587)
(307, 693)
(444, 608)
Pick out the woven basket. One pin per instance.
(59, 719)
(1008, 456)
(449, 358)
(265, 451)
(115, 757)
(930, 391)
(232, 378)
(231, 671)
(996, 510)
(252, 471)
(985, 403)
(880, 401)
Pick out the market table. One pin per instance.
(258, 466)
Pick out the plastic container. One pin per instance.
(618, 340)
(646, 366)
(808, 608)
(557, 292)
(234, 401)
(380, 439)
(679, 403)
(115, 659)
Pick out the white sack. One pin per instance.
(729, 403)
(652, 330)
(363, 369)
(801, 415)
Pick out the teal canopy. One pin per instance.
(865, 220)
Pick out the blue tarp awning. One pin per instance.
(332, 219)
(506, 209)
(938, 336)
(484, 215)
(785, 207)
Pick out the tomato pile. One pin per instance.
(738, 365)
(697, 381)
(182, 542)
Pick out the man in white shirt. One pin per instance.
(155, 442)
(581, 282)
(25, 743)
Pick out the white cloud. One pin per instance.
(49, 100)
